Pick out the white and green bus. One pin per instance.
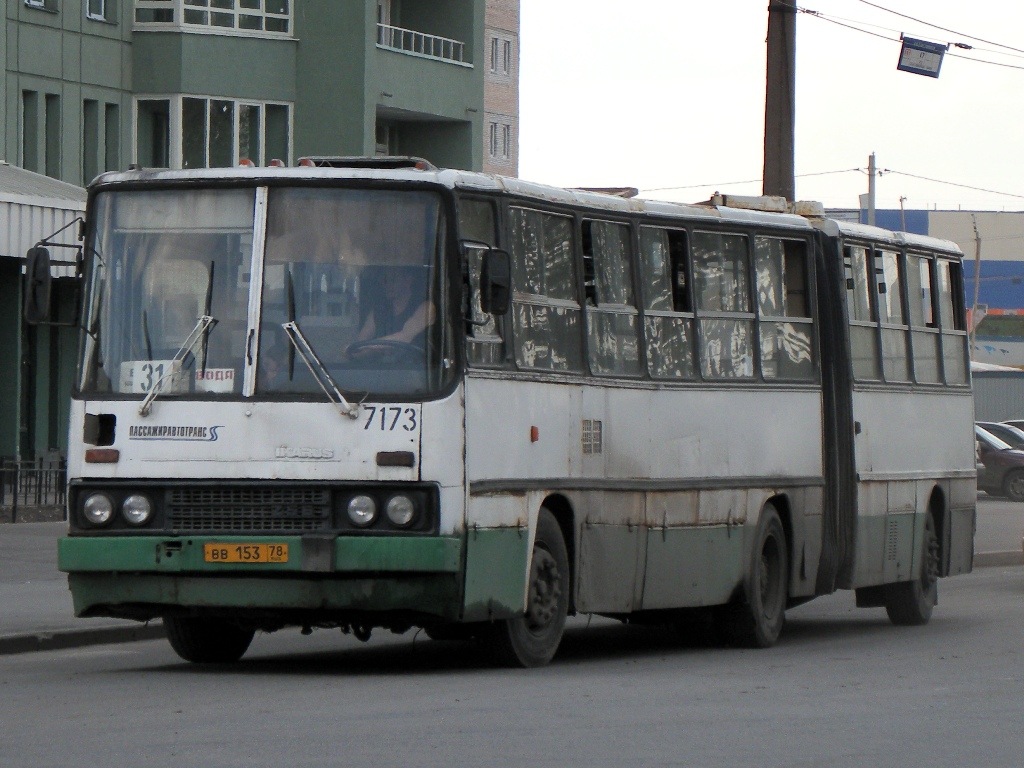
(361, 397)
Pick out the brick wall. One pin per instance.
(501, 90)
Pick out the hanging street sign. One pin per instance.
(921, 57)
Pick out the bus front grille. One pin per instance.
(249, 510)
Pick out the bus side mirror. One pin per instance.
(37, 285)
(495, 282)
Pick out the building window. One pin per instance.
(499, 140)
(152, 132)
(101, 129)
(52, 129)
(96, 9)
(111, 137)
(30, 130)
(384, 138)
(90, 140)
(215, 133)
(245, 16)
(501, 55)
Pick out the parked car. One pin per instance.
(1018, 423)
(1003, 473)
(1008, 433)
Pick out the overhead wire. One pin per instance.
(858, 26)
(746, 181)
(944, 29)
(853, 25)
(880, 172)
(952, 183)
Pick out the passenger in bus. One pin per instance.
(398, 317)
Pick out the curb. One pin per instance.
(62, 639)
(990, 559)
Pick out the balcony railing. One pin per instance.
(421, 44)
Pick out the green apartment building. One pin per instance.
(93, 85)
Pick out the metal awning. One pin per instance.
(32, 207)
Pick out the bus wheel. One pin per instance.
(1013, 486)
(910, 603)
(207, 641)
(531, 640)
(757, 621)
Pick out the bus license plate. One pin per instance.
(245, 553)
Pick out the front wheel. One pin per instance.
(207, 640)
(531, 640)
(910, 603)
(757, 621)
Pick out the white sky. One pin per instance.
(670, 93)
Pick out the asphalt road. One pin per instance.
(843, 688)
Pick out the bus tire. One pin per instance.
(531, 640)
(756, 621)
(910, 603)
(1013, 486)
(207, 640)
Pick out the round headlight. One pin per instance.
(362, 510)
(98, 509)
(137, 509)
(400, 510)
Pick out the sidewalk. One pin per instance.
(36, 611)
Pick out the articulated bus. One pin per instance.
(355, 396)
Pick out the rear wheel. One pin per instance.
(207, 640)
(910, 603)
(757, 621)
(531, 640)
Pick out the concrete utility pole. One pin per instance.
(780, 101)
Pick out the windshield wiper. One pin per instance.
(316, 367)
(203, 326)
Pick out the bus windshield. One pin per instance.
(178, 303)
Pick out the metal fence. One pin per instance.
(28, 487)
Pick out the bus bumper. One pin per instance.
(323, 578)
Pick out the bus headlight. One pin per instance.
(137, 509)
(362, 510)
(400, 510)
(98, 509)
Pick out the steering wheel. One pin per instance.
(383, 348)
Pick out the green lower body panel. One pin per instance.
(496, 562)
(697, 566)
(887, 548)
(316, 578)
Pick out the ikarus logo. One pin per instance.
(284, 452)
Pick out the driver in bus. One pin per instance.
(398, 317)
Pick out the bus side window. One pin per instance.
(612, 318)
(545, 309)
(721, 270)
(787, 332)
(485, 344)
(476, 221)
(668, 308)
(951, 321)
(923, 328)
(861, 313)
(895, 357)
